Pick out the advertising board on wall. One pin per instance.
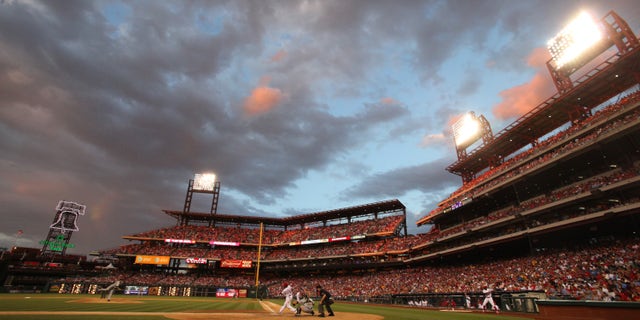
(159, 260)
(235, 264)
(231, 293)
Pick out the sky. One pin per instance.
(297, 106)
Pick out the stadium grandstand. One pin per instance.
(547, 208)
(220, 237)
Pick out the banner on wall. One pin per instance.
(137, 290)
(231, 293)
(162, 260)
(235, 264)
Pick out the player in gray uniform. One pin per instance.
(110, 289)
(303, 303)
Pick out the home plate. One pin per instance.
(449, 310)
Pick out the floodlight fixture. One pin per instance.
(466, 130)
(204, 182)
(584, 39)
(578, 36)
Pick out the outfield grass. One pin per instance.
(157, 305)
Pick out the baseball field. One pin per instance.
(59, 307)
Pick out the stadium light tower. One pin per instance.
(203, 183)
(582, 40)
(467, 130)
(576, 38)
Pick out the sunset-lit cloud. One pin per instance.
(262, 99)
(388, 101)
(279, 56)
(520, 99)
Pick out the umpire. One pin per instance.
(325, 301)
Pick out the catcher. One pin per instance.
(303, 303)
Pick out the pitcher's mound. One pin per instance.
(98, 300)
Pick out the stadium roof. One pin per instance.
(361, 210)
(603, 82)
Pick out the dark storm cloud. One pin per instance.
(429, 178)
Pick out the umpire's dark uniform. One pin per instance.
(325, 301)
(263, 291)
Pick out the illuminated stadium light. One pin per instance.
(204, 182)
(576, 38)
(467, 130)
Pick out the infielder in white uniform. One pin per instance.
(489, 299)
(288, 297)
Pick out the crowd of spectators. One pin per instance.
(250, 235)
(578, 135)
(215, 233)
(267, 253)
(605, 269)
(316, 251)
(153, 242)
(530, 210)
(363, 227)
